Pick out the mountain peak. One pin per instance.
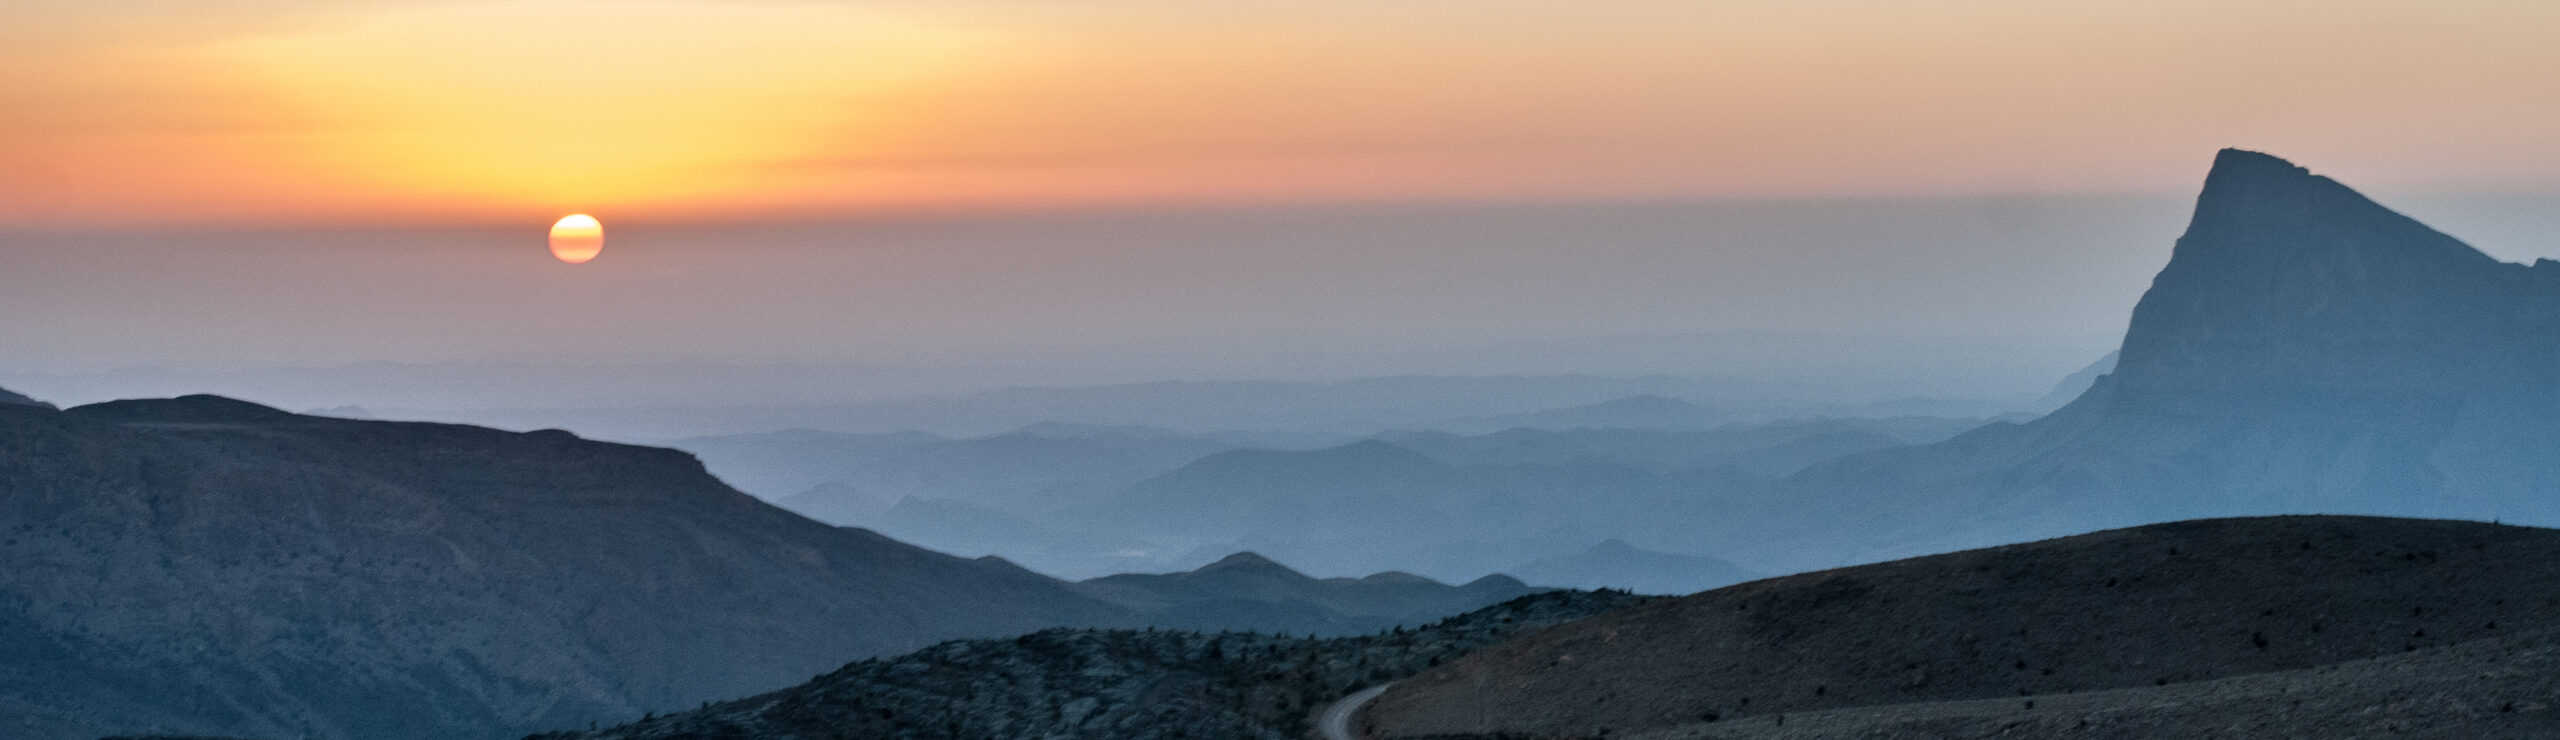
(2258, 202)
(2236, 162)
(2247, 188)
(2287, 280)
(1398, 577)
(1244, 560)
(198, 408)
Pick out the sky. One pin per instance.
(296, 112)
(1116, 190)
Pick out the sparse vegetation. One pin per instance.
(1116, 684)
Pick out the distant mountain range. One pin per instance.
(202, 565)
(2270, 627)
(1770, 449)
(1081, 501)
(1632, 412)
(1458, 506)
(1246, 591)
(1373, 504)
(1015, 470)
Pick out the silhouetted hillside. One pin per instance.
(1111, 685)
(204, 565)
(1246, 591)
(1616, 564)
(9, 398)
(2150, 606)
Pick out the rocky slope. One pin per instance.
(2154, 606)
(1111, 684)
(204, 565)
(2499, 687)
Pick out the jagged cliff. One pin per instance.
(2291, 289)
(2306, 350)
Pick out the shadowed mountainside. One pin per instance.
(2159, 605)
(212, 566)
(206, 565)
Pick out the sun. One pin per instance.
(577, 238)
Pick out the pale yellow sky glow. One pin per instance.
(286, 112)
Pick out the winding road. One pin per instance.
(1335, 723)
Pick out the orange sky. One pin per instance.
(286, 112)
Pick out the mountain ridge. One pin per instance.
(203, 565)
(13, 398)
(1246, 591)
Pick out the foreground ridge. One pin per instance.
(1111, 683)
(2125, 611)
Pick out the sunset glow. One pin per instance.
(577, 238)
(690, 110)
